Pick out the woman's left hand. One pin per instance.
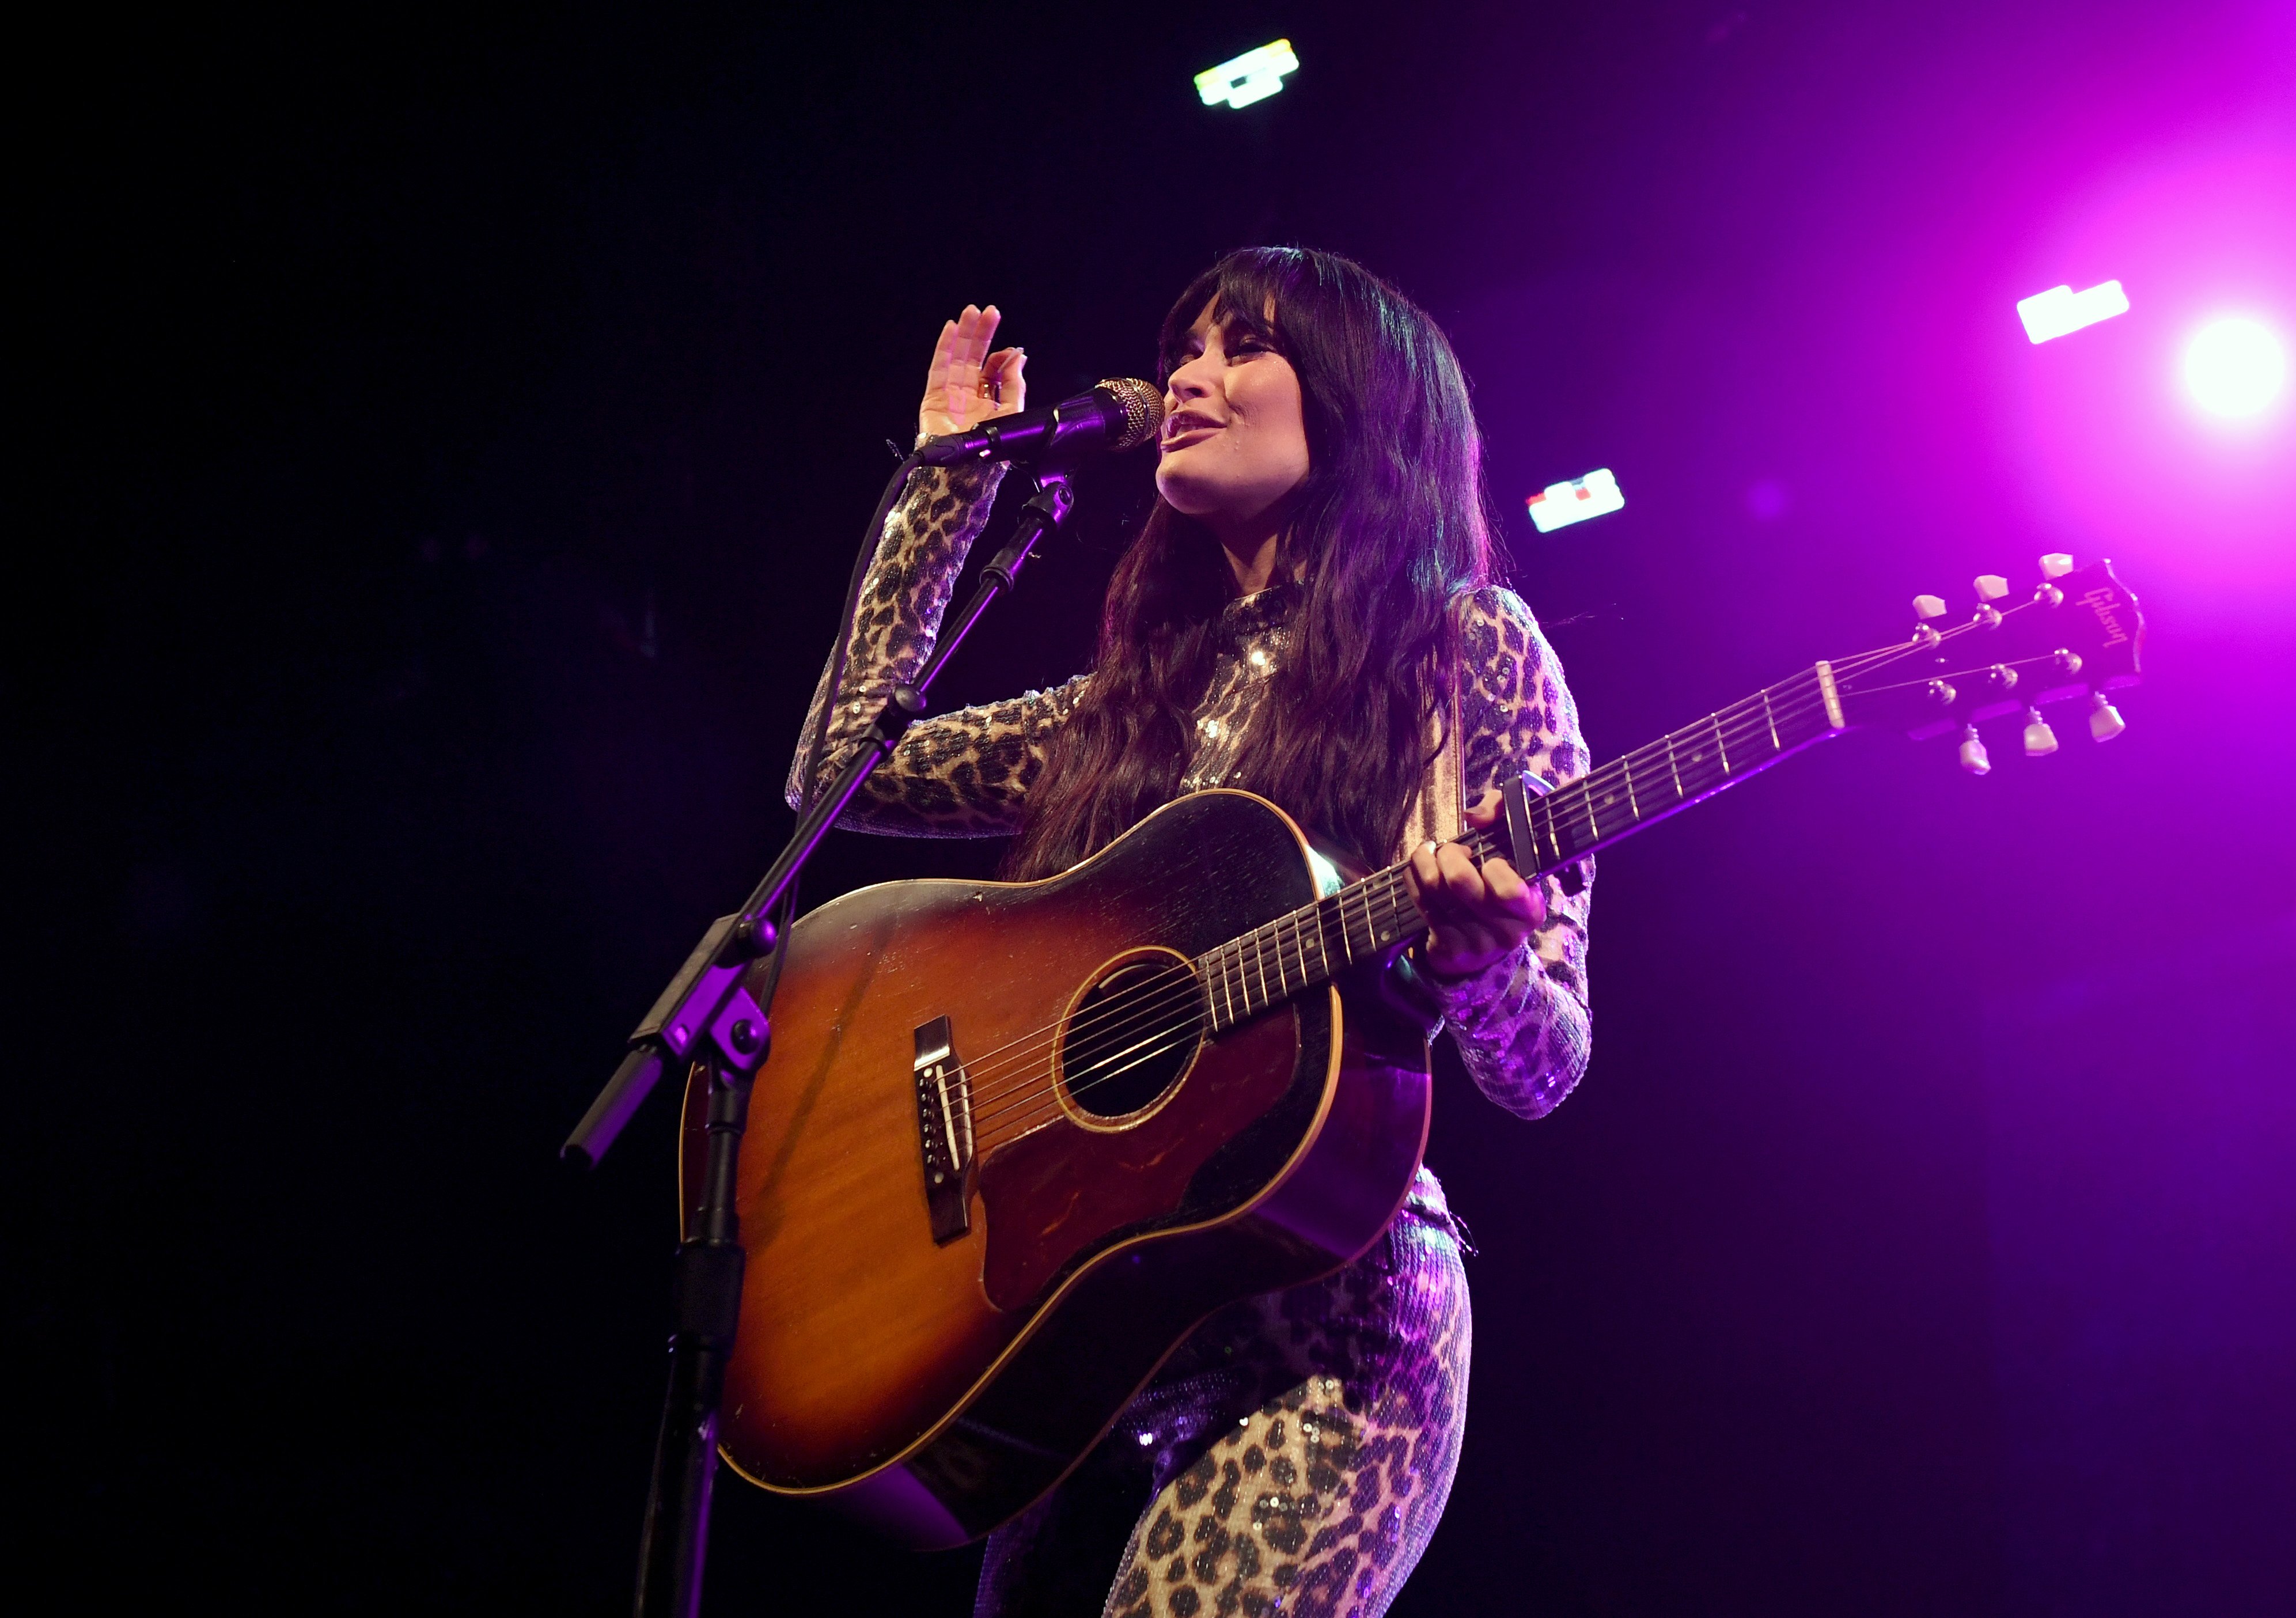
(1475, 914)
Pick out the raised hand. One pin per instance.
(968, 385)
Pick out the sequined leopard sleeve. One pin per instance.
(962, 773)
(1521, 1025)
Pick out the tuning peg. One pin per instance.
(1990, 588)
(2104, 721)
(1972, 752)
(2040, 741)
(2056, 564)
(1926, 607)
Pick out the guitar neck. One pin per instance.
(1368, 919)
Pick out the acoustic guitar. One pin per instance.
(1015, 1141)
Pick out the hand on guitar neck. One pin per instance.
(1477, 914)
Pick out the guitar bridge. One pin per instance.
(944, 1130)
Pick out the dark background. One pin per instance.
(445, 446)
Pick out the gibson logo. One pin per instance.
(2101, 601)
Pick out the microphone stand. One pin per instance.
(708, 1017)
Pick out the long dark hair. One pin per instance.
(1389, 525)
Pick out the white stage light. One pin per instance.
(2234, 367)
(1560, 505)
(1254, 76)
(2060, 309)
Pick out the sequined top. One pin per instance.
(1521, 1025)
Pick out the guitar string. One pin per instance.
(1145, 1003)
(1186, 985)
(1742, 726)
(1159, 1040)
(1025, 1104)
(1392, 902)
(1032, 1091)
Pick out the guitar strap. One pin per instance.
(1440, 813)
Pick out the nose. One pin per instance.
(1191, 380)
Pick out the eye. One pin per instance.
(1243, 342)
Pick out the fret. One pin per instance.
(1382, 897)
(1542, 824)
(1562, 831)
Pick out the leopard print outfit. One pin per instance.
(1295, 1452)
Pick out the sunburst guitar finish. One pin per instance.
(1113, 1163)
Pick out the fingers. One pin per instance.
(1450, 887)
(937, 375)
(1001, 380)
(953, 381)
(1486, 810)
(1513, 893)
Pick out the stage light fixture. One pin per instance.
(1254, 76)
(2234, 367)
(1560, 505)
(2060, 309)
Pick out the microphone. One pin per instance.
(1116, 413)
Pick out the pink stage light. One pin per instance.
(2234, 367)
(2060, 309)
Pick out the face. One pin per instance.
(1234, 441)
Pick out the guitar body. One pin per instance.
(936, 1379)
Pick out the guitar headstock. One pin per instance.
(2074, 637)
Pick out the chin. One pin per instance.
(1187, 496)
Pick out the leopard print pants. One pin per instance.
(1295, 1454)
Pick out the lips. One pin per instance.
(1187, 427)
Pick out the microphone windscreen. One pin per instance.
(1143, 404)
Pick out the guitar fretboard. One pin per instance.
(1367, 919)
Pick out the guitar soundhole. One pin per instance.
(1131, 1036)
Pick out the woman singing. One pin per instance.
(1311, 612)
